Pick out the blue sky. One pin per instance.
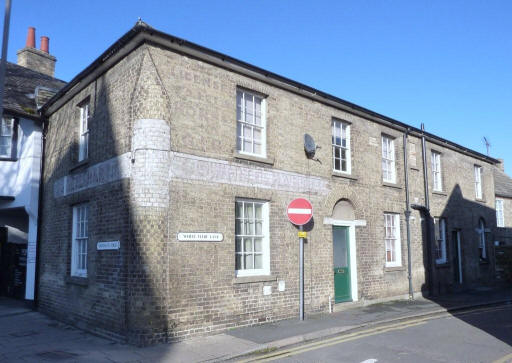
(445, 63)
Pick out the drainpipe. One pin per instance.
(407, 217)
(428, 217)
(40, 209)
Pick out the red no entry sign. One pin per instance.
(300, 211)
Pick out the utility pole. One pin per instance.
(3, 62)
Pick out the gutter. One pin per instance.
(142, 33)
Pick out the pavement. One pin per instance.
(29, 336)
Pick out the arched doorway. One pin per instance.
(344, 251)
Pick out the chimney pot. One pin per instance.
(45, 44)
(31, 37)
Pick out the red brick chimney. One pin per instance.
(31, 37)
(45, 44)
(39, 60)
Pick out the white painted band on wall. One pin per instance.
(191, 167)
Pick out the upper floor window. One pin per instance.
(252, 254)
(500, 218)
(83, 150)
(341, 146)
(79, 240)
(7, 138)
(481, 239)
(392, 240)
(436, 171)
(440, 234)
(250, 116)
(478, 182)
(388, 160)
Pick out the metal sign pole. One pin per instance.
(301, 275)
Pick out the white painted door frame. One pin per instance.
(459, 255)
(353, 251)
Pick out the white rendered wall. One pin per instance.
(20, 179)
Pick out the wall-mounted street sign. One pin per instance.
(300, 211)
(108, 245)
(199, 237)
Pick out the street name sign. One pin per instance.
(108, 245)
(199, 237)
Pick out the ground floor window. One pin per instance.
(481, 239)
(440, 233)
(252, 238)
(392, 239)
(79, 240)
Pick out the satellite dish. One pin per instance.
(309, 146)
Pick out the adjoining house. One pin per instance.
(28, 85)
(503, 236)
(168, 170)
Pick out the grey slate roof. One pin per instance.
(20, 82)
(502, 184)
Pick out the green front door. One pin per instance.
(341, 254)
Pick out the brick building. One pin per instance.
(168, 172)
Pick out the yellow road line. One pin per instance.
(304, 350)
(505, 359)
(364, 333)
(333, 341)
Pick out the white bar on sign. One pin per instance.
(299, 211)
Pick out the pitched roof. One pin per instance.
(20, 86)
(502, 184)
(142, 33)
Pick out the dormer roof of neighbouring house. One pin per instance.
(26, 90)
(502, 184)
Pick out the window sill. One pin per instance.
(79, 165)
(391, 185)
(9, 159)
(394, 268)
(258, 159)
(76, 280)
(439, 192)
(343, 175)
(253, 279)
(484, 262)
(483, 201)
(442, 265)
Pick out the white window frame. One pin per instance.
(243, 124)
(478, 182)
(436, 171)
(481, 239)
(392, 239)
(265, 270)
(83, 146)
(440, 236)
(79, 242)
(500, 214)
(7, 133)
(344, 135)
(388, 159)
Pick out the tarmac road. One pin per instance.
(477, 335)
